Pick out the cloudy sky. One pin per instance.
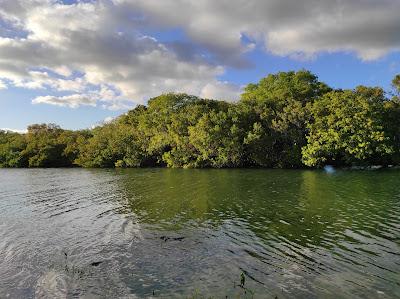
(76, 63)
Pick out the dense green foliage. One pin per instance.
(287, 120)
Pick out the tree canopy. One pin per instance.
(286, 120)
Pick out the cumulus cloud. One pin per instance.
(101, 54)
(14, 130)
(3, 85)
(107, 120)
(72, 101)
(286, 27)
(221, 91)
(94, 52)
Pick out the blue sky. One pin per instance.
(78, 63)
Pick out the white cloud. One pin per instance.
(80, 49)
(72, 101)
(2, 85)
(108, 119)
(63, 71)
(286, 27)
(221, 91)
(14, 130)
(98, 49)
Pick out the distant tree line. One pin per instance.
(287, 120)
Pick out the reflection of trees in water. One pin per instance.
(348, 200)
(206, 195)
(301, 206)
(306, 224)
(350, 213)
(165, 196)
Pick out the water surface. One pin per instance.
(165, 233)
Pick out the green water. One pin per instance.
(167, 233)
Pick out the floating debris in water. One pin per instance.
(95, 264)
(242, 279)
(165, 238)
(178, 238)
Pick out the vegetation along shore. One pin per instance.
(286, 120)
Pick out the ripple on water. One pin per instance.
(128, 233)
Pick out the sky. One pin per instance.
(79, 63)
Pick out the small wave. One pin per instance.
(52, 285)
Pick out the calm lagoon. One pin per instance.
(172, 233)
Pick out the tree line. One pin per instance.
(286, 120)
